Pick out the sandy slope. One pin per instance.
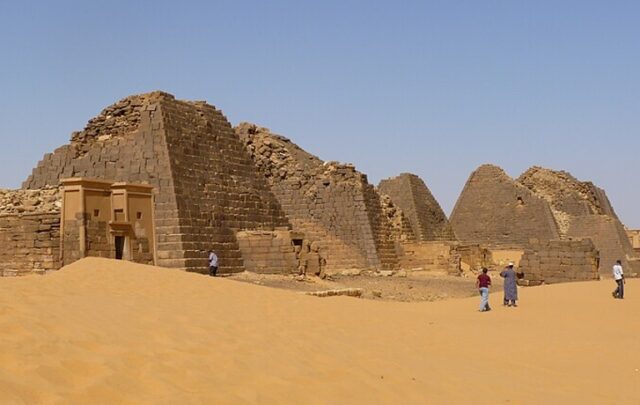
(101, 331)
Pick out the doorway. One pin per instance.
(119, 242)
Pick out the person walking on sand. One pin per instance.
(510, 285)
(213, 263)
(618, 275)
(483, 283)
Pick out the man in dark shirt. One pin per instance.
(483, 283)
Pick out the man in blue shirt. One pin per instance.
(213, 263)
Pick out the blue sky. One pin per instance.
(433, 88)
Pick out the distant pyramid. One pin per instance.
(496, 210)
(411, 194)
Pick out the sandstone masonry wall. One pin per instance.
(269, 252)
(71, 236)
(217, 187)
(410, 193)
(583, 210)
(29, 231)
(430, 256)
(331, 203)
(567, 196)
(634, 239)
(30, 243)
(609, 238)
(474, 257)
(98, 239)
(559, 261)
(401, 230)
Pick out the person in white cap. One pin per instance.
(510, 285)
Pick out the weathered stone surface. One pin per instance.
(494, 209)
(269, 252)
(206, 187)
(559, 261)
(29, 231)
(410, 193)
(41, 201)
(634, 239)
(583, 210)
(473, 257)
(349, 292)
(240, 193)
(332, 203)
(30, 243)
(401, 230)
(567, 196)
(430, 256)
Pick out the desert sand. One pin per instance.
(103, 332)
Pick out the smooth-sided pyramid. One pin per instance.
(494, 209)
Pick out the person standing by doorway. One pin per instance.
(483, 283)
(618, 275)
(213, 263)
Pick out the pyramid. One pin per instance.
(411, 194)
(206, 186)
(332, 203)
(494, 209)
(582, 210)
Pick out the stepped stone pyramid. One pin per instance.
(411, 194)
(206, 186)
(494, 209)
(332, 203)
(583, 210)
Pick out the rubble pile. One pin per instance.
(46, 200)
(400, 227)
(116, 120)
(567, 196)
(279, 159)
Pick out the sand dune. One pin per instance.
(101, 331)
